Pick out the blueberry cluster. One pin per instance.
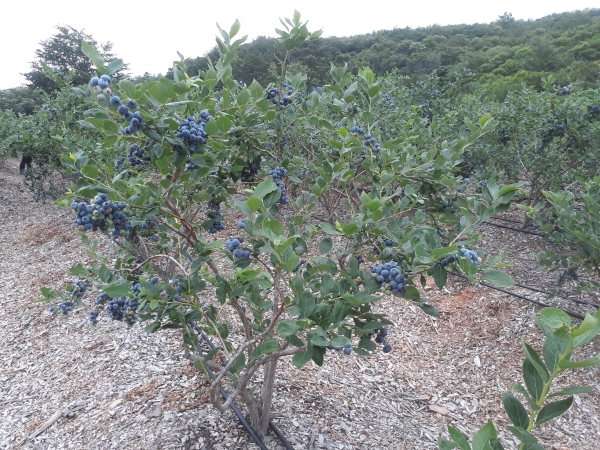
(135, 119)
(79, 288)
(136, 155)
(388, 100)
(190, 165)
(300, 264)
(213, 211)
(472, 255)
(559, 129)
(450, 204)
(565, 90)
(123, 309)
(357, 129)
(352, 108)
(241, 224)
(64, 306)
(273, 94)
(445, 262)
(569, 274)
(191, 131)
(425, 105)
(360, 259)
(390, 276)
(102, 214)
(370, 141)
(235, 247)
(100, 87)
(251, 170)
(278, 174)
(593, 109)
(94, 316)
(176, 284)
(119, 163)
(380, 337)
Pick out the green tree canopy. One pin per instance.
(62, 52)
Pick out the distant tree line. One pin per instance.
(504, 54)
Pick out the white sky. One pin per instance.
(147, 34)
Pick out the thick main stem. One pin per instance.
(267, 396)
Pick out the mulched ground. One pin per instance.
(115, 387)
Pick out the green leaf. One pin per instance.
(429, 310)
(266, 347)
(264, 188)
(588, 330)
(90, 171)
(306, 304)
(498, 278)
(459, 438)
(339, 341)
(330, 229)
(254, 204)
(301, 358)
(224, 124)
(535, 360)
(128, 88)
(515, 410)
(240, 363)
(89, 51)
(529, 442)
(482, 437)
(325, 245)
(566, 364)
(572, 390)
(152, 327)
(440, 276)
(555, 346)
(234, 28)
(287, 327)
(50, 294)
(117, 290)
(552, 410)
(444, 444)
(78, 270)
(211, 354)
(554, 317)
(114, 66)
(105, 274)
(533, 380)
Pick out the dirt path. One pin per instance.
(120, 388)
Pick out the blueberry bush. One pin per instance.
(572, 224)
(539, 372)
(204, 138)
(270, 218)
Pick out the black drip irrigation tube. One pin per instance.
(506, 220)
(572, 314)
(237, 411)
(574, 300)
(513, 228)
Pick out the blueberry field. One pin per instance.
(383, 261)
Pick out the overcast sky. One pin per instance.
(147, 34)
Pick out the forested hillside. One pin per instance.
(503, 54)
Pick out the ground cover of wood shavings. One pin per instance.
(65, 384)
